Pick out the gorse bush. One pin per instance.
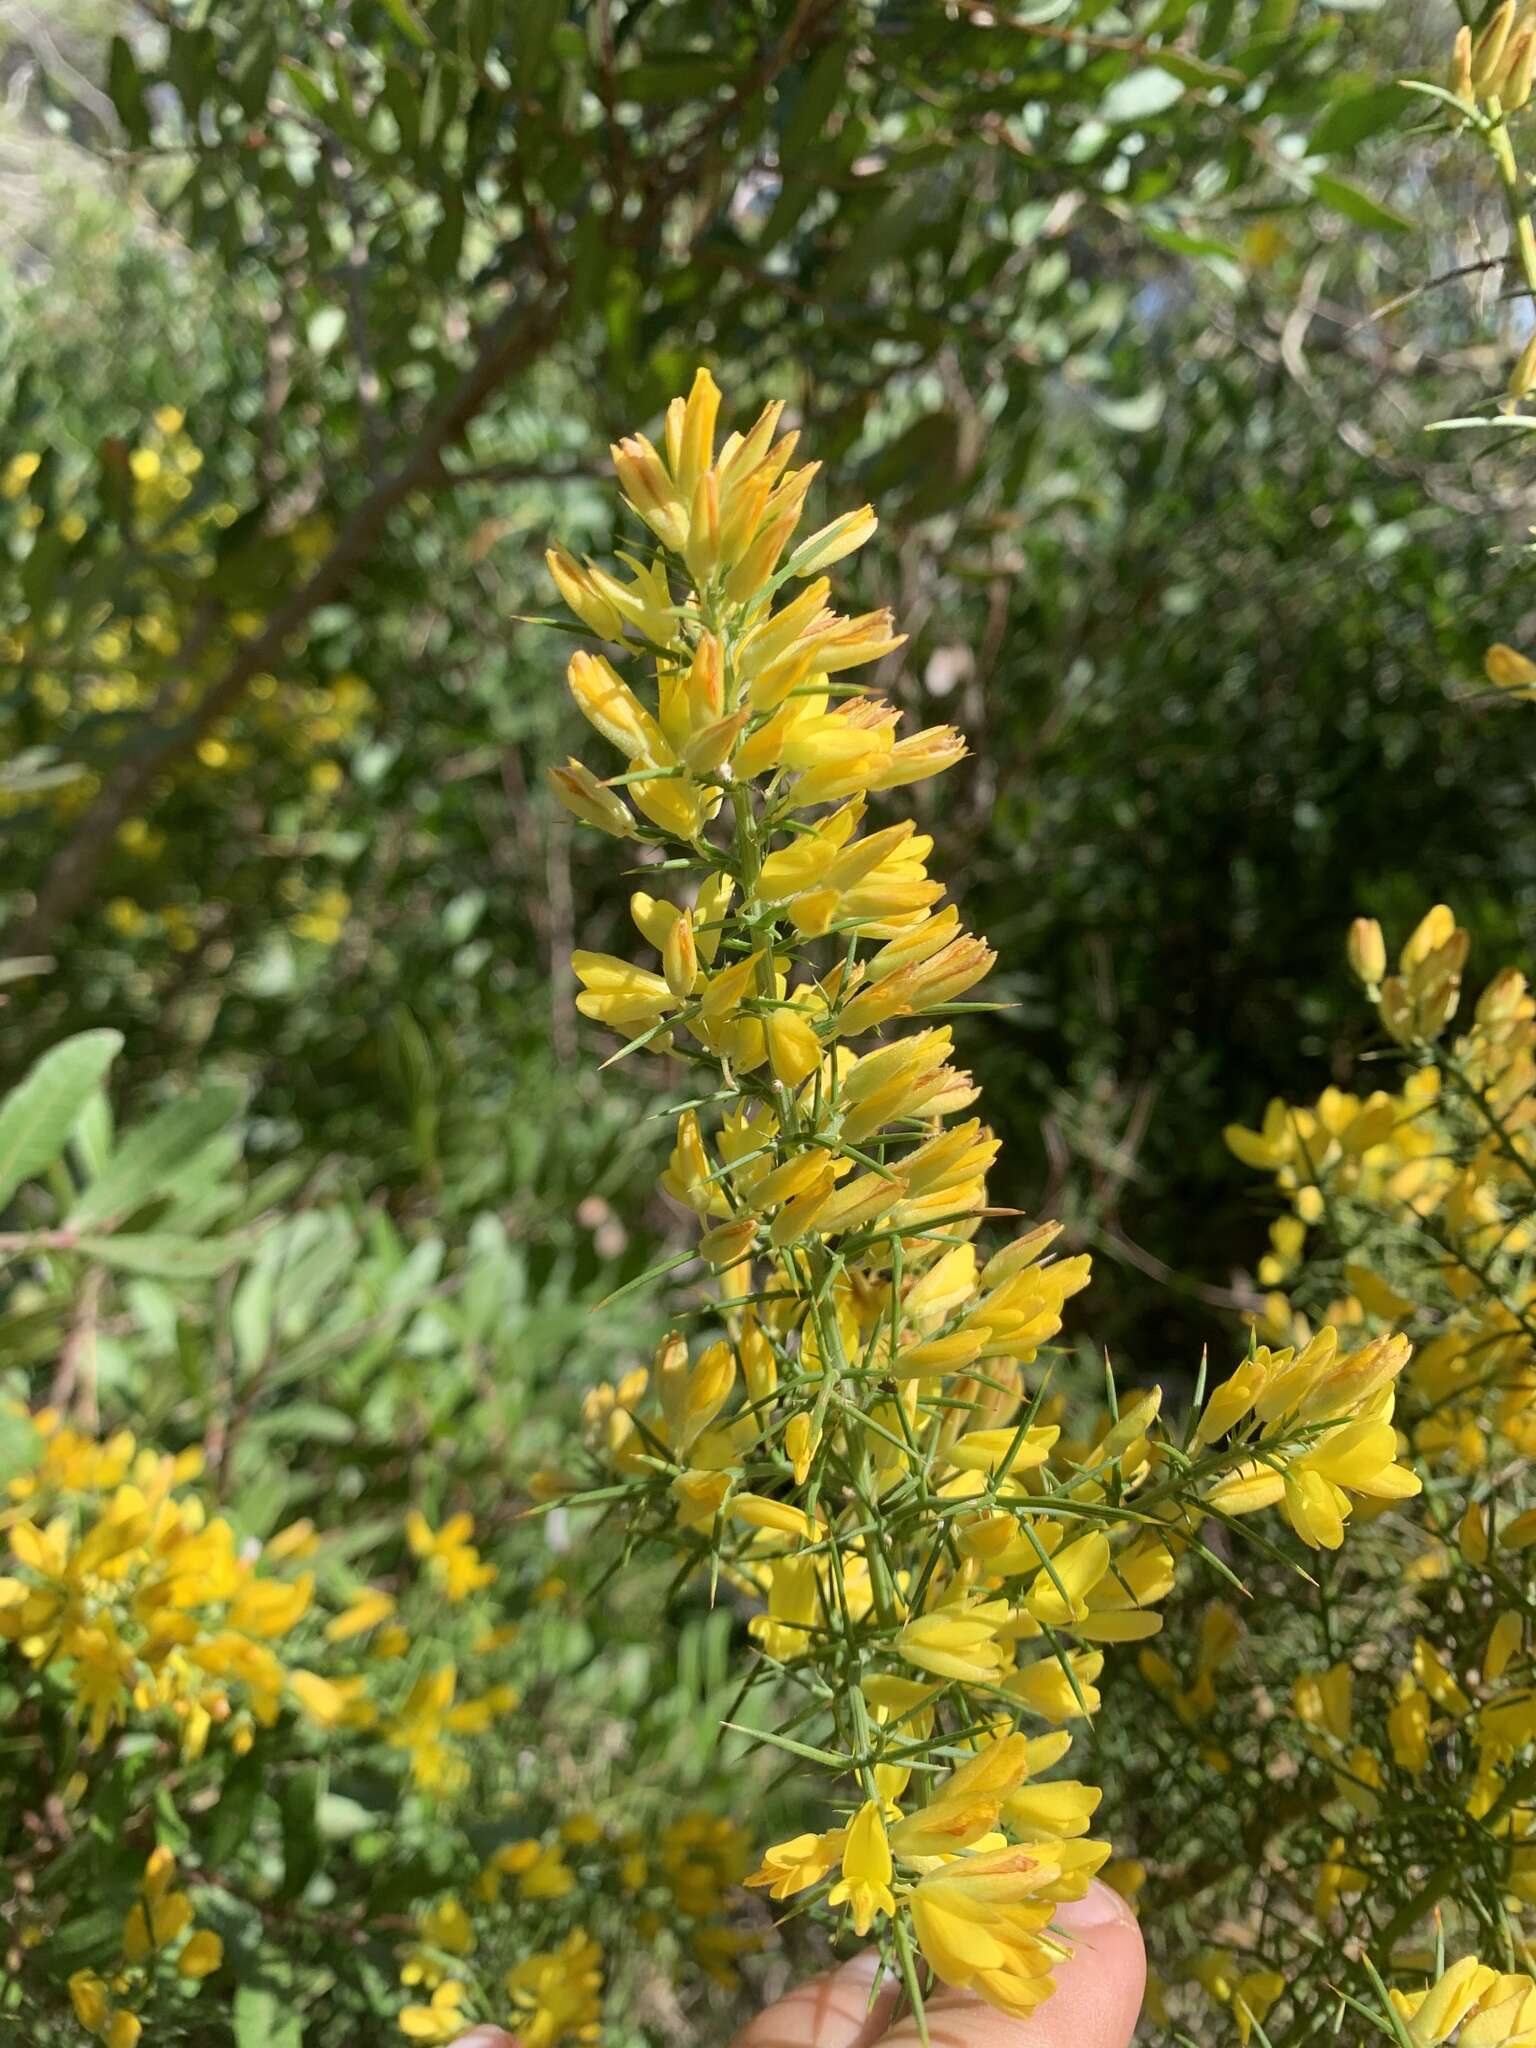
(488, 1539)
(257, 1758)
(1367, 1732)
(848, 1420)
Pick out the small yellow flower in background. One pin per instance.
(556, 1996)
(367, 1610)
(453, 1561)
(1510, 671)
(443, 2020)
(202, 1955)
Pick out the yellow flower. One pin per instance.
(88, 1995)
(454, 1562)
(443, 2020)
(202, 1955)
(979, 1921)
(366, 1611)
(866, 1865)
(803, 1860)
(556, 1995)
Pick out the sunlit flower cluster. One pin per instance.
(524, 1899)
(104, 669)
(843, 1422)
(1372, 1738)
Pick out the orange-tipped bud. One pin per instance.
(586, 798)
(708, 751)
(581, 594)
(609, 705)
(702, 550)
(1488, 51)
(679, 960)
(926, 753)
(644, 480)
(843, 537)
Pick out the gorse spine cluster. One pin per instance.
(841, 1423)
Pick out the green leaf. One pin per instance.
(1356, 204)
(162, 1256)
(264, 2019)
(1349, 122)
(36, 1117)
(126, 90)
(298, 1799)
(1197, 70)
(408, 21)
(19, 1442)
(155, 1151)
(236, 1810)
(1140, 95)
(804, 1750)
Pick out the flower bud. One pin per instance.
(679, 960)
(1488, 52)
(586, 798)
(1367, 951)
(1522, 378)
(1461, 64)
(1519, 72)
(1508, 669)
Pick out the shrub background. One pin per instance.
(1157, 512)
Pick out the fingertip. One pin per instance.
(1099, 1990)
(844, 2008)
(487, 2037)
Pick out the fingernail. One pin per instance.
(1098, 1907)
(487, 2037)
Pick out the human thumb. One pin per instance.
(1095, 2004)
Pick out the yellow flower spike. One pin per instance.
(865, 1884)
(850, 1334)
